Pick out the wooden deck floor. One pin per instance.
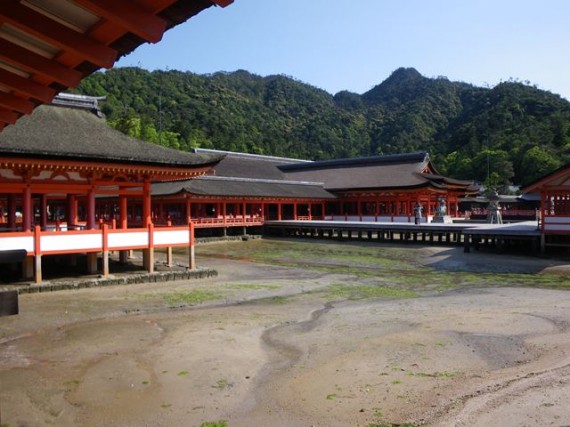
(466, 233)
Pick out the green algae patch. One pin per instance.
(190, 297)
(354, 292)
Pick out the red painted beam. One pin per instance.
(8, 117)
(26, 86)
(126, 14)
(34, 63)
(44, 28)
(15, 103)
(222, 3)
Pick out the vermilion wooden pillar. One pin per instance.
(188, 209)
(12, 212)
(91, 209)
(27, 208)
(123, 224)
(191, 249)
(71, 211)
(91, 256)
(43, 211)
(146, 204)
(148, 253)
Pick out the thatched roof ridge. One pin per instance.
(53, 132)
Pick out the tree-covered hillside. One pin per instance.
(510, 133)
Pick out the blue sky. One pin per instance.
(355, 44)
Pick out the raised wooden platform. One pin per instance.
(466, 233)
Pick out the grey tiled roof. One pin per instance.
(364, 173)
(240, 187)
(397, 171)
(253, 166)
(53, 132)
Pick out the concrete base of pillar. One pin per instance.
(38, 269)
(92, 263)
(191, 258)
(169, 258)
(28, 268)
(105, 263)
(148, 260)
(123, 257)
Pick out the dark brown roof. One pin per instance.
(395, 171)
(241, 165)
(52, 132)
(242, 187)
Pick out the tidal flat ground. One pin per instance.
(300, 333)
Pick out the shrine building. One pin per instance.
(55, 165)
(554, 218)
(70, 184)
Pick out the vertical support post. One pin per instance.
(147, 208)
(148, 253)
(105, 259)
(91, 209)
(123, 224)
(27, 208)
(71, 212)
(191, 251)
(92, 263)
(295, 211)
(188, 209)
(37, 262)
(43, 211)
(279, 214)
(123, 212)
(12, 212)
(169, 261)
(28, 268)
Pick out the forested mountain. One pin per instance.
(510, 133)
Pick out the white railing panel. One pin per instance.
(556, 227)
(125, 239)
(70, 242)
(20, 242)
(401, 219)
(556, 219)
(171, 237)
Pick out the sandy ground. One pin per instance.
(269, 352)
